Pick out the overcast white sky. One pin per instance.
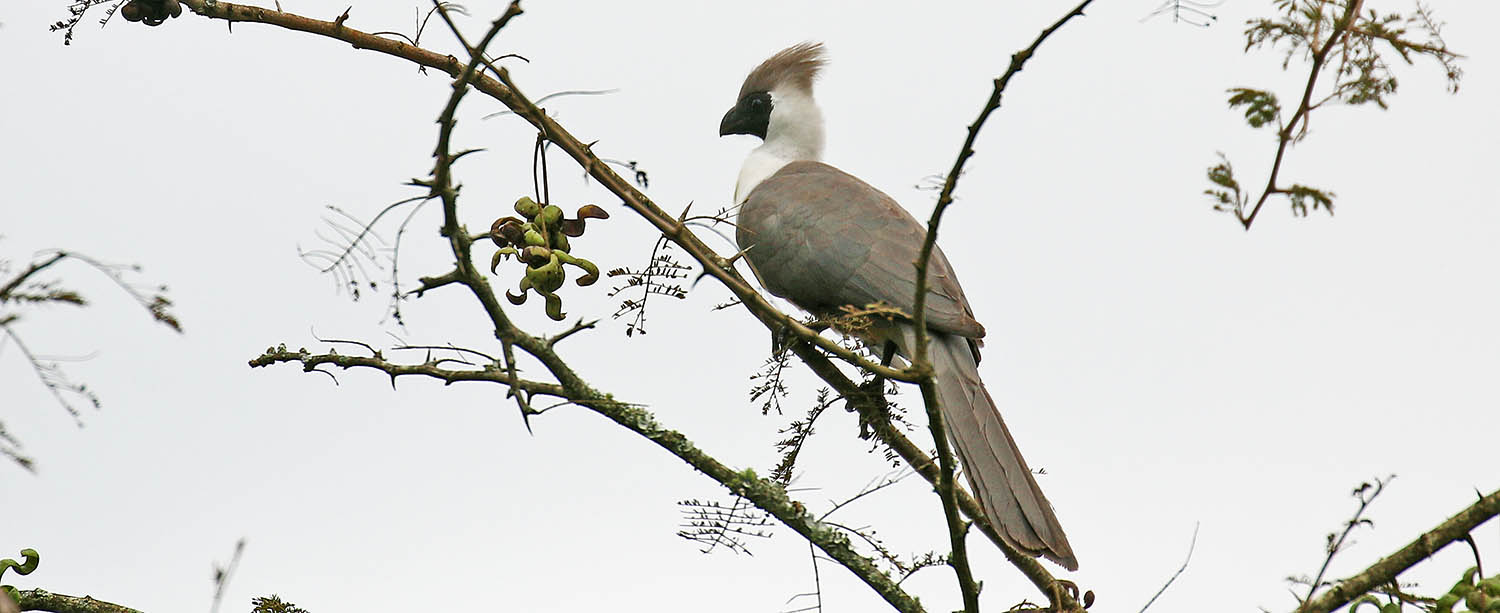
(1165, 368)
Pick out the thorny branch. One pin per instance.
(768, 495)
(430, 368)
(813, 349)
(946, 488)
(506, 94)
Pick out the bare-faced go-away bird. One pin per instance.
(823, 239)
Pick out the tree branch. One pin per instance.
(34, 268)
(581, 153)
(767, 495)
(42, 600)
(490, 372)
(946, 488)
(872, 410)
(1386, 570)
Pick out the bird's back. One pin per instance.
(822, 238)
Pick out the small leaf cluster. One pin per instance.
(1350, 48)
(1261, 106)
(273, 604)
(1304, 197)
(540, 241)
(1228, 195)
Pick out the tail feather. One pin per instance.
(996, 471)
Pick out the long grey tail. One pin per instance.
(996, 471)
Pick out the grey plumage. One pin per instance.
(823, 239)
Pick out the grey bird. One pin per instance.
(823, 239)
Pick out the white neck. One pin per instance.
(795, 133)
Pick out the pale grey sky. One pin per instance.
(1166, 368)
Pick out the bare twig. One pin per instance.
(1191, 545)
(222, 575)
(1366, 493)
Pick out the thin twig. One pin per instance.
(1191, 545)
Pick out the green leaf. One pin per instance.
(1302, 196)
(1261, 106)
(1229, 198)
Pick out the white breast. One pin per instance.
(758, 166)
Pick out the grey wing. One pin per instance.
(823, 238)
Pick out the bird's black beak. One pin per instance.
(751, 115)
(733, 123)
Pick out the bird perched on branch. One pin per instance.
(824, 240)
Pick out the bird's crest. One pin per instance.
(795, 66)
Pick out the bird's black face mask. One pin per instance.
(752, 115)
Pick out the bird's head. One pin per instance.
(776, 102)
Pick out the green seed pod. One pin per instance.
(534, 238)
(551, 215)
(547, 277)
(560, 241)
(527, 207)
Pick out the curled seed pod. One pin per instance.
(500, 255)
(173, 7)
(527, 207)
(592, 271)
(574, 227)
(571, 227)
(591, 211)
(560, 242)
(554, 306)
(131, 11)
(506, 231)
(515, 299)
